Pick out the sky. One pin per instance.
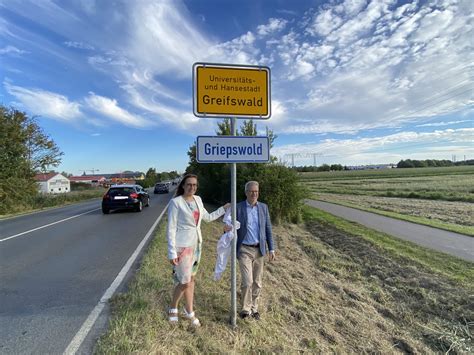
(352, 81)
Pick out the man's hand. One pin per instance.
(271, 256)
(174, 261)
(227, 228)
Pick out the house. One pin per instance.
(53, 183)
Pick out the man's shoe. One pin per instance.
(244, 315)
(256, 315)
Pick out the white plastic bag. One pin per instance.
(224, 246)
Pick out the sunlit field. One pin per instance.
(440, 197)
(449, 184)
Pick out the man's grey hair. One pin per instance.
(250, 183)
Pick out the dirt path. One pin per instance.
(447, 242)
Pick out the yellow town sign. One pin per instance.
(222, 90)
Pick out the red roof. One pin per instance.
(45, 177)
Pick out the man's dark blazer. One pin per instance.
(265, 226)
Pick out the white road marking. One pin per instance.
(76, 342)
(47, 225)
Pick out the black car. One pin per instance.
(161, 188)
(120, 197)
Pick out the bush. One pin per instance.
(15, 194)
(279, 188)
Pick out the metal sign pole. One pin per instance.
(233, 192)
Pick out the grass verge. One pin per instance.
(328, 291)
(47, 201)
(455, 269)
(462, 229)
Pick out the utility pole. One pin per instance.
(314, 157)
(292, 156)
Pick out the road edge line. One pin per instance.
(78, 339)
(46, 225)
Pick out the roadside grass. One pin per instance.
(330, 290)
(451, 267)
(346, 200)
(45, 201)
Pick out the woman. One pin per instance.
(185, 214)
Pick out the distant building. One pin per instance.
(125, 177)
(95, 180)
(128, 177)
(53, 183)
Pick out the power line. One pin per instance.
(428, 105)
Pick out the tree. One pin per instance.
(173, 174)
(24, 150)
(151, 177)
(248, 128)
(324, 167)
(223, 128)
(405, 164)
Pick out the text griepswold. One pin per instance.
(227, 151)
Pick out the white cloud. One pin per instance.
(324, 23)
(360, 24)
(377, 66)
(347, 66)
(351, 7)
(163, 38)
(78, 45)
(240, 50)
(45, 103)
(274, 25)
(110, 109)
(383, 149)
(12, 50)
(440, 124)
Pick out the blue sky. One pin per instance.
(353, 81)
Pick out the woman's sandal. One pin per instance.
(173, 315)
(192, 317)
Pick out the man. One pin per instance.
(253, 238)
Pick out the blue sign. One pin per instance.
(232, 149)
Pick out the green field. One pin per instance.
(439, 197)
(449, 184)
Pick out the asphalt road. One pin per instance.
(455, 244)
(52, 276)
